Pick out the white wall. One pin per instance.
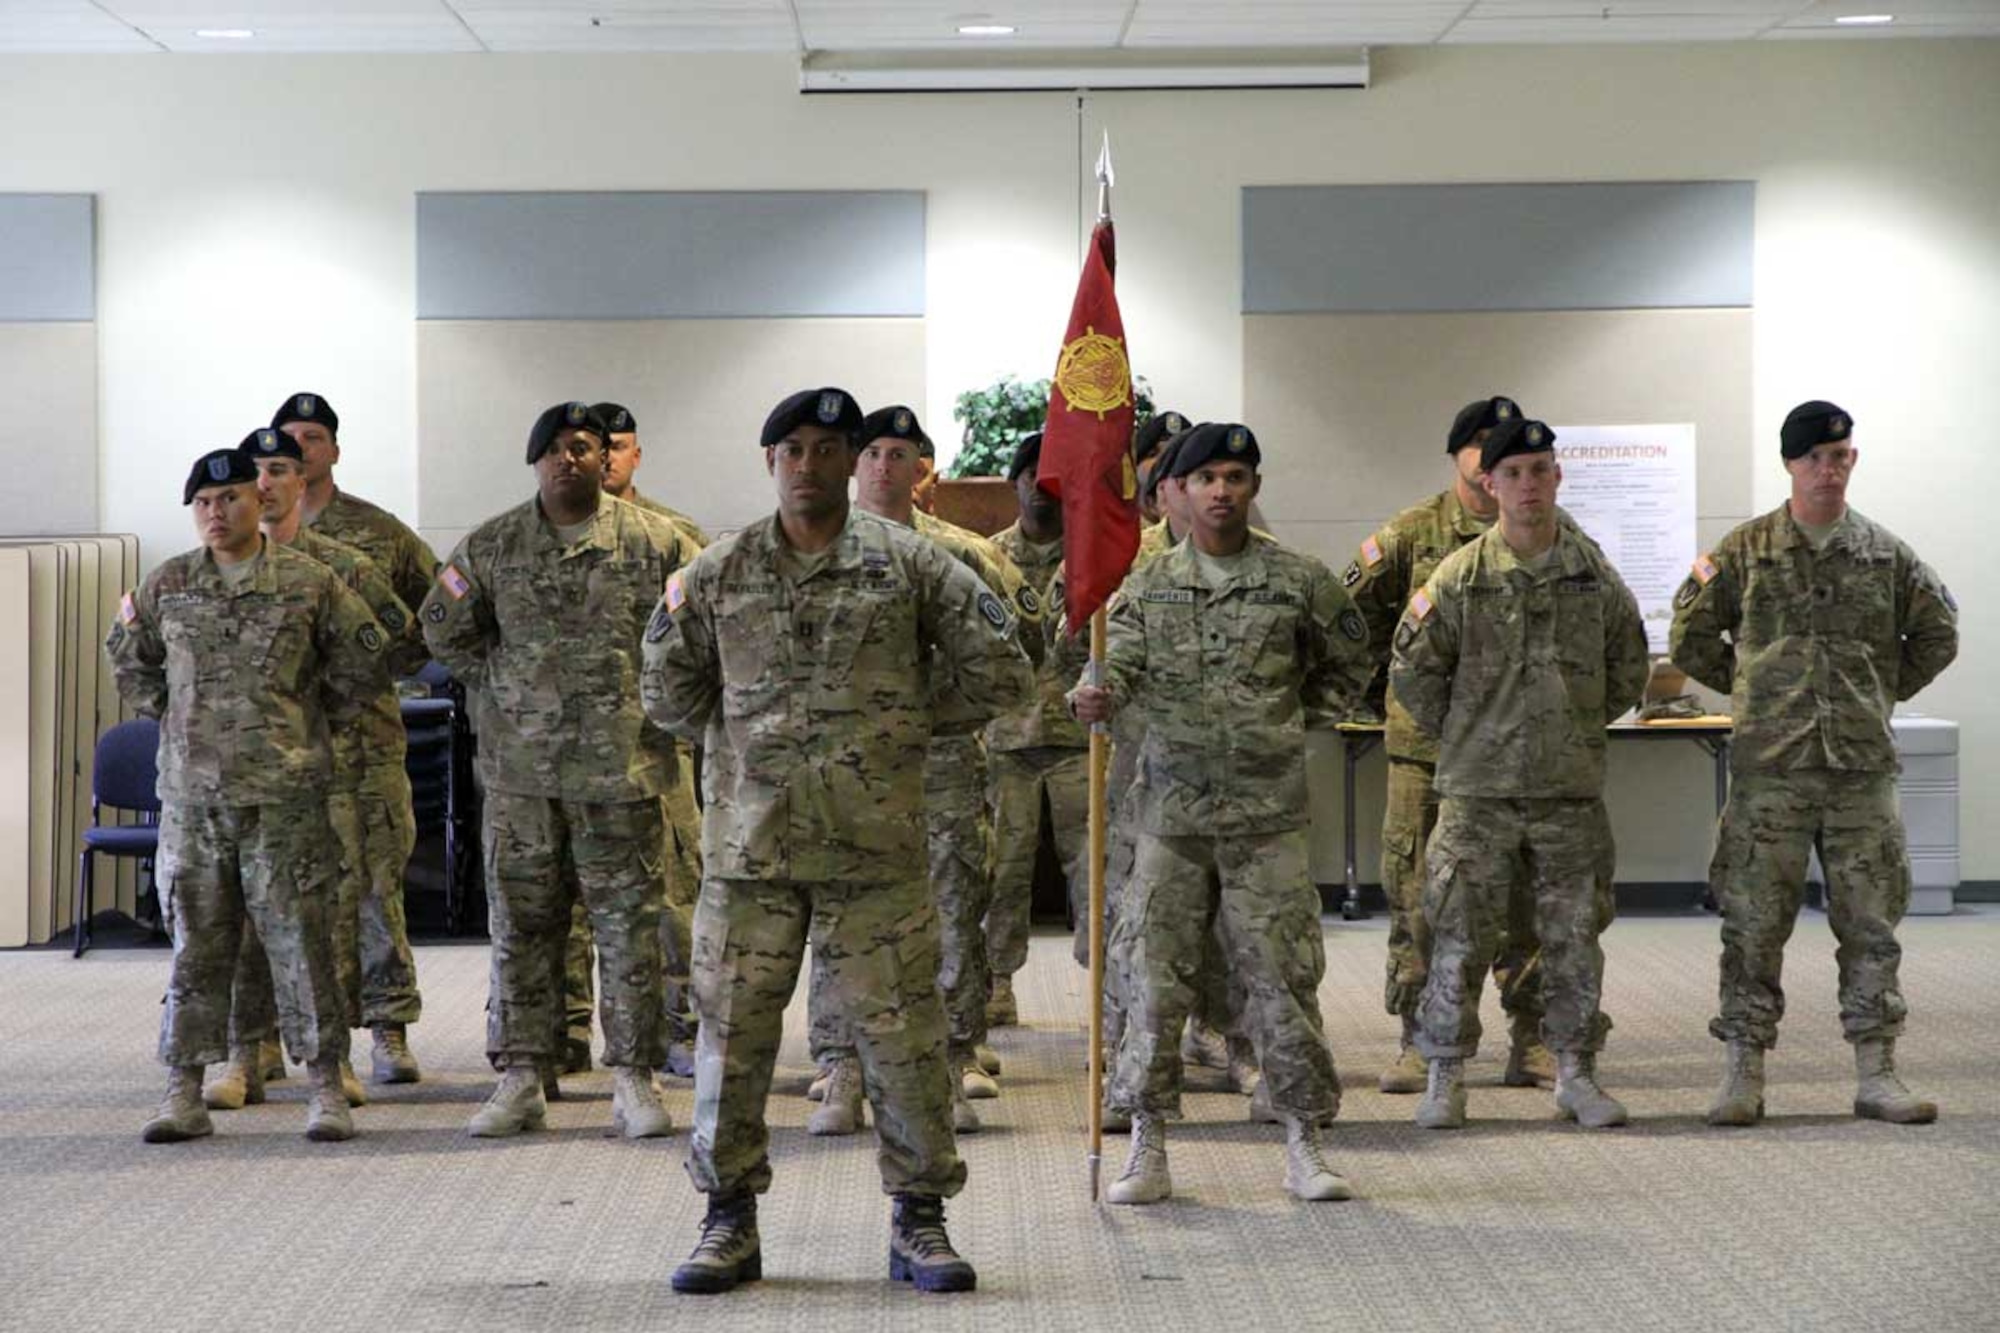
(256, 236)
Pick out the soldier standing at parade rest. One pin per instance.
(540, 612)
(246, 653)
(1232, 646)
(368, 805)
(1515, 655)
(1036, 756)
(1817, 622)
(814, 654)
(958, 825)
(388, 971)
(1393, 563)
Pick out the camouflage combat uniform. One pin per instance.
(1393, 563)
(378, 534)
(958, 831)
(368, 804)
(1038, 754)
(1820, 647)
(546, 638)
(246, 678)
(815, 684)
(683, 853)
(1228, 669)
(1516, 669)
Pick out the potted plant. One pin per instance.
(974, 492)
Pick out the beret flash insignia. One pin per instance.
(218, 469)
(267, 440)
(904, 421)
(576, 414)
(1535, 434)
(306, 405)
(1175, 423)
(1503, 408)
(1239, 440)
(1836, 427)
(829, 407)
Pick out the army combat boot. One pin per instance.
(1880, 1095)
(1411, 1071)
(976, 1082)
(1740, 1101)
(1145, 1178)
(1203, 1047)
(919, 1249)
(1530, 1064)
(635, 1106)
(680, 1058)
(839, 1112)
(964, 1120)
(271, 1054)
(1001, 1011)
(327, 1117)
(390, 1056)
(240, 1084)
(181, 1115)
(816, 1090)
(1244, 1076)
(350, 1086)
(1307, 1176)
(988, 1058)
(1443, 1106)
(515, 1105)
(1579, 1098)
(728, 1252)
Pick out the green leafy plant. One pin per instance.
(999, 416)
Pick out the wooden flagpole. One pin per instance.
(1100, 755)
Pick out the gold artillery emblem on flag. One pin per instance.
(1093, 374)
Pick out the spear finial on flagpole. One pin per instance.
(1106, 178)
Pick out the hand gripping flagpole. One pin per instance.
(1100, 753)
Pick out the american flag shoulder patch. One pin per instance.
(128, 611)
(454, 582)
(1420, 605)
(676, 592)
(1704, 570)
(1371, 551)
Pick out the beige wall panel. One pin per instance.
(53, 369)
(1352, 410)
(699, 388)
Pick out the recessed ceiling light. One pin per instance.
(986, 30)
(1865, 20)
(226, 34)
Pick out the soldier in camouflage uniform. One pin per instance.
(814, 654)
(1232, 646)
(388, 967)
(1818, 622)
(1395, 561)
(246, 653)
(683, 817)
(540, 612)
(1515, 655)
(1037, 757)
(368, 805)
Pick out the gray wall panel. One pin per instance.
(1416, 248)
(751, 254)
(48, 257)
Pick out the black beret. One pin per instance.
(1483, 414)
(1808, 424)
(897, 423)
(1515, 435)
(835, 409)
(1027, 454)
(617, 418)
(1158, 429)
(564, 416)
(219, 467)
(1162, 467)
(306, 407)
(1212, 440)
(270, 442)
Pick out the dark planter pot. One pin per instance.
(983, 504)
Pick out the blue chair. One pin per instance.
(124, 776)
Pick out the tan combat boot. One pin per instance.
(635, 1105)
(920, 1251)
(1307, 1176)
(1740, 1101)
(1530, 1063)
(271, 1054)
(1001, 1010)
(989, 1059)
(517, 1104)
(1145, 1178)
(964, 1120)
(1203, 1047)
(327, 1117)
(181, 1115)
(390, 1058)
(1411, 1071)
(1880, 1095)
(350, 1086)
(1443, 1106)
(1244, 1076)
(840, 1112)
(976, 1082)
(816, 1090)
(1578, 1096)
(729, 1251)
(240, 1084)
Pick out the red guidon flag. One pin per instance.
(1086, 459)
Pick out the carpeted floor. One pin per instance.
(1816, 1220)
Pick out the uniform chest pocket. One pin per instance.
(1777, 603)
(623, 592)
(1579, 626)
(754, 640)
(1173, 642)
(1495, 621)
(274, 637)
(862, 639)
(1857, 600)
(1266, 635)
(528, 603)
